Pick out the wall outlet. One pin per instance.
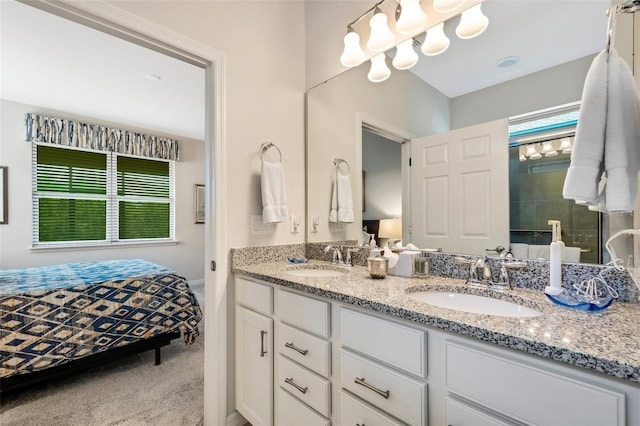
(258, 227)
(294, 223)
(314, 223)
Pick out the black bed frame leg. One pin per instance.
(158, 356)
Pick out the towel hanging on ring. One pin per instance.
(274, 193)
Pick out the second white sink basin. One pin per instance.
(474, 304)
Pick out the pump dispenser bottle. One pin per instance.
(555, 259)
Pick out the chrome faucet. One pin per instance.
(483, 270)
(337, 255)
(480, 271)
(350, 252)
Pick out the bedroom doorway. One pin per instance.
(110, 20)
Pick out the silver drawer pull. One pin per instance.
(292, 346)
(358, 424)
(290, 381)
(384, 394)
(262, 350)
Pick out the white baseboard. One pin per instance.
(235, 419)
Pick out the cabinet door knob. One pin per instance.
(361, 382)
(292, 346)
(262, 350)
(290, 381)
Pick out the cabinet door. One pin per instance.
(458, 414)
(254, 366)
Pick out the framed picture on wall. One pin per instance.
(4, 196)
(198, 205)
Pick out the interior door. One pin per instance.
(460, 189)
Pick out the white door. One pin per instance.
(254, 366)
(460, 189)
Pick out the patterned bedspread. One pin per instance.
(48, 326)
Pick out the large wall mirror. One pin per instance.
(405, 107)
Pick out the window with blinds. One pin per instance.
(83, 197)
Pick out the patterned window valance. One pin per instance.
(59, 131)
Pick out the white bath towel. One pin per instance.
(341, 200)
(274, 194)
(606, 154)
(587, 157)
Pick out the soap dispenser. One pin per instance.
(555, 259)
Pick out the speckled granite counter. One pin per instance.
(606, 342)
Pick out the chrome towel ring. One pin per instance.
(266, 146)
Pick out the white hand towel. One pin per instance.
(585, 170)
(622, 150)
(274, 194)
(341, 200)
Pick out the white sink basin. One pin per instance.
(474, 304)
(317, 273)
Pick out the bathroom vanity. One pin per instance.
(341, 348)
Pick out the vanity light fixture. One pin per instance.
(472, 23)
(352, 55)
(410, 20)
(532, 152)
(548, 150)
(381, 37)
(379, 70)
(405, 57)
(436, 41)
(565, 146)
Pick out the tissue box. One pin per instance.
(406, 264)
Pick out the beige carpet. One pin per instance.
(129, 391)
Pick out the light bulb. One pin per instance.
(565, 145)
(412, 18)
(436, 41)
(352, 55)
(446, 5)
(379, 70)
(405, 57)
(472, 23)
(532, 152)
(547, 149)
(381, 37)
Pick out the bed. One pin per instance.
(67, 317)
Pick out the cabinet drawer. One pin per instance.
(251, 294)
(310, 351)
(305, 385)
(395, 344)
(406, 398)
(352, 411)
(291, 412)
(459, 414)
(303, 312)
(515, 386)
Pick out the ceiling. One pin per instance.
(36, 65)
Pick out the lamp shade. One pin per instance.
(405, 57)
(532, 152)
(446, 5)
(390, 228)
(381, 37)
(472, 23)
(548, 150)
(379, 70)
(565, 145)
(352, 55)
(412, 19)
(436, 41)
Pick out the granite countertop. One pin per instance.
(606, 341)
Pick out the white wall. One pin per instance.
(544, 89)
(187, 257)
(263, 43)
(381, 161)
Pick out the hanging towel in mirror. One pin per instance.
(341, 200)
(274, 194)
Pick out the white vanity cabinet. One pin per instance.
(327, 362)
(254, 352)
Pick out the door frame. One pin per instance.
(117, 22)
